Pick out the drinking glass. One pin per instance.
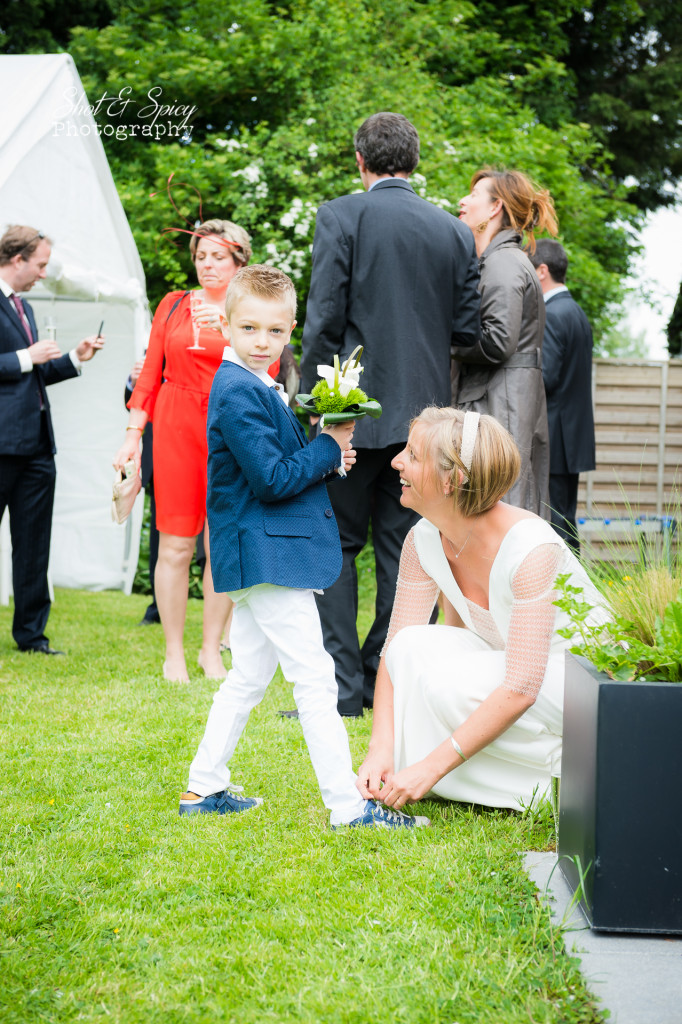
(195, 303)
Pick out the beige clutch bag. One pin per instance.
(126, 488)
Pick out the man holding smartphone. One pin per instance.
(28, 366)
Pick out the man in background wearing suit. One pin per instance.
(27, 447)
(397, 275)
(151, 616)
(567, 373)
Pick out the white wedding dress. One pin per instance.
(440, 674)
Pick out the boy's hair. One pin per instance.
(495, 462)
(388, 143)
(263, 282)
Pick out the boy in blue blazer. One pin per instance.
(274, 541)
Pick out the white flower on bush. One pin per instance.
(251, 173)
(299, 216)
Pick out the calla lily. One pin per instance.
(340, 381)
(343, 379)
(343, 384)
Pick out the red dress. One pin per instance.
(175, 398)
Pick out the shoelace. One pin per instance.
(389, 815)
(232, 794)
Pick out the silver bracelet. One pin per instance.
(458, 748)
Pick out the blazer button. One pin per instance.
(328, 512)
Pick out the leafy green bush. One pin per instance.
(631, 646)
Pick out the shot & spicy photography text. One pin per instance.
(124, 116)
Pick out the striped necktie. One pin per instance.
(19, 306)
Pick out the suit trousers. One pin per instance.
(27, 485)
(563, 501)
(371, 493)
(274, 625)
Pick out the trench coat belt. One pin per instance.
(523, 359)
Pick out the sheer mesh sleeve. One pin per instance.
(531, 626)
(416, 593)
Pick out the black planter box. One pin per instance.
(621, 800)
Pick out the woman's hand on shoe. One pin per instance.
(374, 773)
(409, 785)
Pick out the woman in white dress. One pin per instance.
(471, 712)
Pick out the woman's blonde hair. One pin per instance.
(495, 464)
(240, 250)
(525, 207)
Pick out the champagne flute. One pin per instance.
(195, 303)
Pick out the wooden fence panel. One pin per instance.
(638, 424)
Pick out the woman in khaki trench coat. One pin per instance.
(502, 374)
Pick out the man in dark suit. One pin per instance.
(399, 276)
(151, 616)
(567, 373)
(27, 446)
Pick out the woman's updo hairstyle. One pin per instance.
(525, 207)
(495, 463)
(240, 250)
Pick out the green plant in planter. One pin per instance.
(643, 640)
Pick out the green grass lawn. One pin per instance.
(114, 908)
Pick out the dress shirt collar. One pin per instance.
(6, 289)
(393, 179)
(231, 356)
(555, 291)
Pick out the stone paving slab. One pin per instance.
(638, 978)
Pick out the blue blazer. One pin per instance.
(269, 513)
(21, 394)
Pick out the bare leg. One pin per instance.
(225, 640)
(171, 584)
(217, 612)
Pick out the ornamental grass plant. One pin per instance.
(113, 908)
(643, 641)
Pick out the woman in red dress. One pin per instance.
(185, 350)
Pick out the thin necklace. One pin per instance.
(458, 553)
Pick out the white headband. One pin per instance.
(469, 431)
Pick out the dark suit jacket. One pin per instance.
(21, 393)
(269, 514)
(399, 276)
(567, 373)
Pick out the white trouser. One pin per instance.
(274, 625)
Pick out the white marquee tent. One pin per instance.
(54, 176)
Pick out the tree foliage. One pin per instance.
(44, 26)
(613, 64)
(279, 91)
(276, 91)
(626, 62)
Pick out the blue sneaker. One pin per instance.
(229, 801)
(377, 816)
